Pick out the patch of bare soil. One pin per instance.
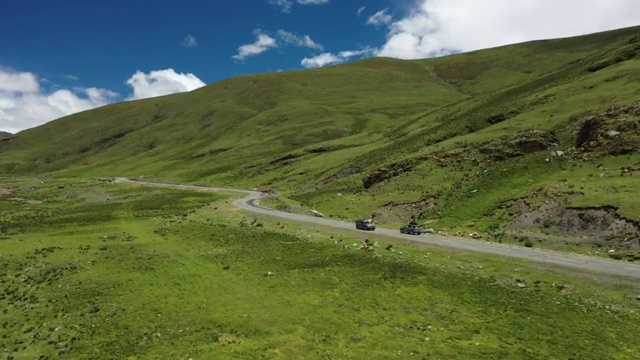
(601, 225)
(387, 172)
(404, 211)
(340, 175)
(5, 190)
(286, 159)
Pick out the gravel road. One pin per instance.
(597, 265)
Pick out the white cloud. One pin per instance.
(297, 40)
(360, 10)
(286, 5)
(189, 41)
(22, 82)
(327, 58)
(382, 17)
(436, 27)
(263, 43)
(161, 82)
(23, 104)
(71, 77)
(323, 59)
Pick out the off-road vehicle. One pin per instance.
(411, 229)
(367, 225)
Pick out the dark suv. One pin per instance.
(365, 225)
(411, 229)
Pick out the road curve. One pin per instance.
(592, 264)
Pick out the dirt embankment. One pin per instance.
(601, 226)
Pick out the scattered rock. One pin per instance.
(560, 287)
(612, 133)
(269, 273)
(366, 247)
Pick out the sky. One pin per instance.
(62, 57)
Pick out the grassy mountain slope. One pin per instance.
(464, 141)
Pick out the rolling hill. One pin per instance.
(535, 141)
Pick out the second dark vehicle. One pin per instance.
(411, 229)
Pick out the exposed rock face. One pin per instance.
(615, 131)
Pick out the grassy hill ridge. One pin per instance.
(462, 141)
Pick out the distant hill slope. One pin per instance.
(4, 135)
(458, 139)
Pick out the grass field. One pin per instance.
(93, 269)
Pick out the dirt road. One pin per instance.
(609, 267)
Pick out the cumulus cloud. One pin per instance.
(161, 82)
(298, 40)
(18, 82)
(189, 41)
(263, 43)
(24, 104)
(381, 17)
(440, 27)
(286, 5)
(327, 58)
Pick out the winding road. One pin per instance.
(592, 264)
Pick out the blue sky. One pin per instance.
(104, 43)
(61, 57)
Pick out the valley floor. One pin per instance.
(102, 270)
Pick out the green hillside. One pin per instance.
(475, 142)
